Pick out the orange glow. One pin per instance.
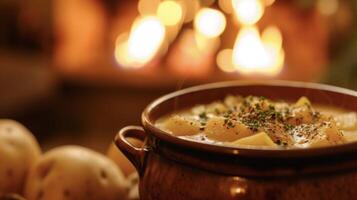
(248, 52)
(224, 60)
(248, 12)
(253, 54)
(170, 12)
(226, 6)
(205, 44)
(145, 40)
(148, 7)
(327, 7)
(188, 58)
(269, 2)
(190, 8)
(210, 22)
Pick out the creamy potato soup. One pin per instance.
(258, 121)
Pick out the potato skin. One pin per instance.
(120, 159)
(18, 152)
(74, 172)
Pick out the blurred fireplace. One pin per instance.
(88, 33)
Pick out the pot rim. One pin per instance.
(246, 151)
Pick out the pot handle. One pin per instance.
(136, 155)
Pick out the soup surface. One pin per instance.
(258, 121)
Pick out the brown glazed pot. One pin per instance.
(174, 168)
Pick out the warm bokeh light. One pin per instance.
(251, 54)
(148, 7)
(122, 57)
(121, 51)
(206, 44)
(210, 22)
(189, 59)
(145, 39)
(268, 2)
(272, 37)
(327, 7)
(226, 6)
(273, 41)
(169, 12)
(190, 8)
(248, 12)
(224, 60)
(248, 52)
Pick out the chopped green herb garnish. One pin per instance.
(217, 111)
(288, 127)
(271, 107)
(230, 124)
(257, 106)
(203, 115)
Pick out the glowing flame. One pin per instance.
(170, 12)
(273, 42)
(224, 60)
(248, 12)
(145, 39)
(210, 22)
(251, 54)
(248, 51)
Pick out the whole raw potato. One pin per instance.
(120, 159)
(18, 151)
(122, 162)
(73, 172)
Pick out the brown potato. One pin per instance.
(133, 180)
(119, 158)
(74, 172)
(18, 151)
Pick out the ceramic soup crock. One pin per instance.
(173, 168)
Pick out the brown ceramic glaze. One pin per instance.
(175, 168)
